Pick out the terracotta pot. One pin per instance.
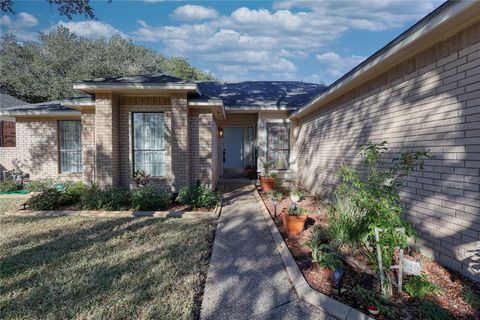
(293, 224)
(327, 273)
(267, 184)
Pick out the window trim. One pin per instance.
(132, 134)
(287, 126)
(60, 151)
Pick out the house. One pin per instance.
(422, 90)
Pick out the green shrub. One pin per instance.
(471, 297)
(330, 260)
(39, 185)
(347, 224)
(198, 197)
(8, 186)
(429, 310)
(114, 199)
(74, 191)
(48, 199)
(419, 287)
(315, 243)
(150, 197)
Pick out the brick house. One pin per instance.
(422, 90)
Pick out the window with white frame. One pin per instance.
(70, 145)
(149, 143)
(278, 145)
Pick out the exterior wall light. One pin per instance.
(220, 133)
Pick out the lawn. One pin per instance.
(10, 204)
(102, 268)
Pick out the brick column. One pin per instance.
(106, 140)
(201, 148)
(88, 145)
(180, 144)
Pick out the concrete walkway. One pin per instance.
(247, 278)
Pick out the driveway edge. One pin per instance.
(303, 289)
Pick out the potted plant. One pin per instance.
(267, 179)
(294, 219)
(296, 195)
(329, 261)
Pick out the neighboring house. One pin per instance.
(420, 91)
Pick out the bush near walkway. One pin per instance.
(102, 268)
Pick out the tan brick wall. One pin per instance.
(180, 143)
(202, 167)
(215, 150)
(431, 100)
(106, 139)
(88, 145)
(128, 105)
(36, 149)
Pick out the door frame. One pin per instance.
(234, 171)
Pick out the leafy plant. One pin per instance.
(113, 199)
(150, 197)
(347, 223)
(141, 178)
(8, 186)
(368, 298)
(374, 191)
(39, 185)
(471, 297)
(197, 197)
(48, 199)
(296, 192)
(429, 310)
(274, 195)
(419, 287)
(74, 191)
(315, 243)
(296, 211)
(267, 168)
(330, 260)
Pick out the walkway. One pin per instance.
(247, 278)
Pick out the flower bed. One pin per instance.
(457, 295)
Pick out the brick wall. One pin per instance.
(143, 104)
(180, 143)
(88, 145)
(431, 100)
(36, 149)
(201, 147)
(215, 150)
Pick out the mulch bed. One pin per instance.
(358, 271)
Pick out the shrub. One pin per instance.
(198, 197)
(150, 197)
(74, 191)
(141, 178)
(8, 186)
(347, 224)
(48, 199)
(114, 199)
(315, 243)
(330, 260)
(39, 185)
(419, 287)
(429, 310)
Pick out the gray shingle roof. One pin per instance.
(7, 100)
(261, 94)
(45, 108)
(153, 78)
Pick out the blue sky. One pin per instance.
(314, 41)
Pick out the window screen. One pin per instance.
(8, 136)
(70, 144)
(278, 145)
(149, 143)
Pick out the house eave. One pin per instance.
(136, 88)
(211, 104)
(441, 25)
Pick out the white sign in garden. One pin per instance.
(412, 267)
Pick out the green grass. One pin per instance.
(11, 204)
(102, 268)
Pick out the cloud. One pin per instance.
(246, 42)
(91, 29)
(336, 65)
(19, 25)
(191, 12)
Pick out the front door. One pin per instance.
(233, 149)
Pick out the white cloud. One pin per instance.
(191, 12)
(248, 41)
(91, 29)
(335, 65)
(19, 25)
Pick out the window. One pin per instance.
(70, 143)
(278, 145)
(8, 136)
(148, 143)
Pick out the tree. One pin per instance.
(44, 70)
(66, 8)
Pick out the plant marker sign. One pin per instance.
(412, 267)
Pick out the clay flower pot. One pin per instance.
(293, 224)
(267, 184)
(373, 310)
(327, 273)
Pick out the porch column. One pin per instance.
(88, 145)
(180, 142)
(106, 140)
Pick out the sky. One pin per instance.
(311, 41)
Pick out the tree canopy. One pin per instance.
(66, 8)
(44, 70)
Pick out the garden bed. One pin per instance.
(458, 295)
